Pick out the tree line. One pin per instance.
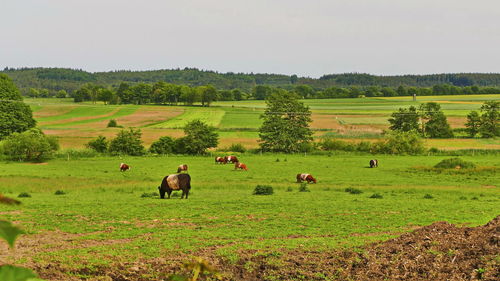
(56, 79)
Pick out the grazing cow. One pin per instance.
(231, 159)
(305, 177)
(182, 167)
(373, 163)
(124, 167)
(220, 160)
(238, 165)
(175, 182)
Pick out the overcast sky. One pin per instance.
(307, 38)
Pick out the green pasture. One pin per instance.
(103, 205)
(211, 116)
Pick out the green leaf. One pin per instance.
(9, 232)
(14, 273)
(178, 277)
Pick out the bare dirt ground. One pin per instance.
(440, 251)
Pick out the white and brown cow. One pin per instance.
(305, 177)
(231, 159)
(373, 163)
(241, 166)
(175, 182)
(183, 167)
(220, 160)
(124, 167)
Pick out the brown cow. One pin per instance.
(305, 177)
(175, 182)
(231, 159)
(124, 167)
(182, 167)
(220, 160)
(373, 163)
(239, 165)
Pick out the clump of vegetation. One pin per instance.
(455, 163)
(112, 123)
(32, 145)
(303, 188)
(163, 145)
(428, 196)
(353, 190)
(289, 189)
(376, 196)
(237, 147)
(100, 144)
(24, 195)
(150, 194)
(59, 192)
(263, 190)
(127, 142)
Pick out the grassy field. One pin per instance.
(102, 221)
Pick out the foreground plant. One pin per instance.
(9, 233)
(198, 268)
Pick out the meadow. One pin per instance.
(111, 222)
(75, 124)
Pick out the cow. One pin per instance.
(182, 167)
(231, 159)
(124, 167)
(175, 182)
(305, 177)
(238, 165)
(373, 163)
(220, 160)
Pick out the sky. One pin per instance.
(307, 38)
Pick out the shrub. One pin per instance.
(100, 144)
(289, 189)
(303, 188)
(455, 163)
(428, 196)
(24, 195)
(32, 145)
(376, 196)
(163, 145)
(353, 190)
(329, 144)
(199, 137)
(399, 142)
(364, 146)
(263, 190)
(112, 123)
(77, 153)
(127, 142)
(59, 192)
(237, 147)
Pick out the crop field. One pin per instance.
(111, 223)
(238, 121)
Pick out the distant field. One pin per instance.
(238, 121)
(103, 226)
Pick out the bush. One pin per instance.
(237, 147)
(24, 195)
(399, 142)
(376, 196)
(32, 145)
(330, 144)
(353, 190)
(163, 145)
(76, 153)
(112, 123)
(59, 192)
(455, 163)
(289, 189)
(303, 188)
(100, 144)
(127, 142)
(263, 190)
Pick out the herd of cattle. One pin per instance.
(182, 181)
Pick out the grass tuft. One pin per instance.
(303, 188)
(428, 196)
(353, 190)
(376, 196)
(59, 192)
(263, 190)
(24, 195)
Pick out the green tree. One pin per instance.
(473, 123)
(127, 142)
(105, 95)
(61, 94)
(15, 115)
(489, 119)
(100, 144)
(286, 123)
(199, 137)
(405, 119)
(208, 94)
(31, 145)
(399, 142)
(163, 145)
(434, 122)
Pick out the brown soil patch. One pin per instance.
(141, 117)
(325, 121)
(69, 120)
(440, 251)
(48, 111)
